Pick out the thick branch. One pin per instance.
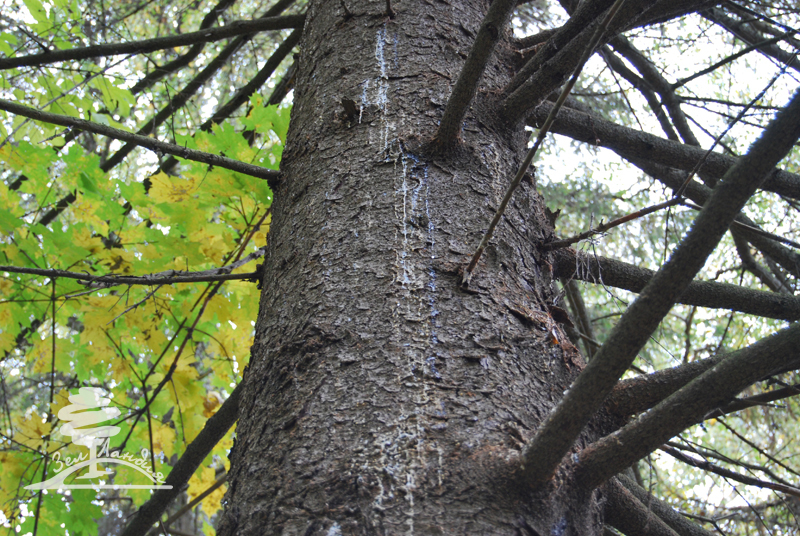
(699, 193)
(715, 387)
(143, 141)
(233, 29)
(214, 430)
(633, 144)
(627, 514)
(643, 392)
(596, 269)
(679, 524)
(556, 435)
(467, 84)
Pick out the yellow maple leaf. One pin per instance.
(31, 428)
(198, 484)
(166, 189)
(164, 439)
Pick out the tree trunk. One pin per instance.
(382, 396)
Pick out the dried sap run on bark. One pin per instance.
(381, 396)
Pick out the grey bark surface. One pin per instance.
(383, 398)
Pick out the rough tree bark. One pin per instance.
(382, 397)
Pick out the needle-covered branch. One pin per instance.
(142, 141)
(489, 34)
(689, 405)
(614, 273)
(240, 27)
(214, 430)
(559, 431)
(634, 144)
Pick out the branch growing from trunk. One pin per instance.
(679, 524)
(643, 392)
(557, 434)
(233, 29)
(689, 405)
(601, 270)
(143, 141)
(467, 84)
(603, 227)
(164, 278)
(214, 430)
(632, 144)
(523, 169)
(627, 514)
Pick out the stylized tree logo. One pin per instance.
(79, 415)
(88, 408)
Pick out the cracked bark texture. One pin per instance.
(382, 398)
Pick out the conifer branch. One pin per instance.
(557, 434)
(602, 270)
(689, 405)
(489, 34)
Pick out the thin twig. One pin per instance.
(144, 46)
(727, 473)
(143, 141)
(163, 278)
(603, 227)
(756, 230)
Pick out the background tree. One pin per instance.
(415, 364)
